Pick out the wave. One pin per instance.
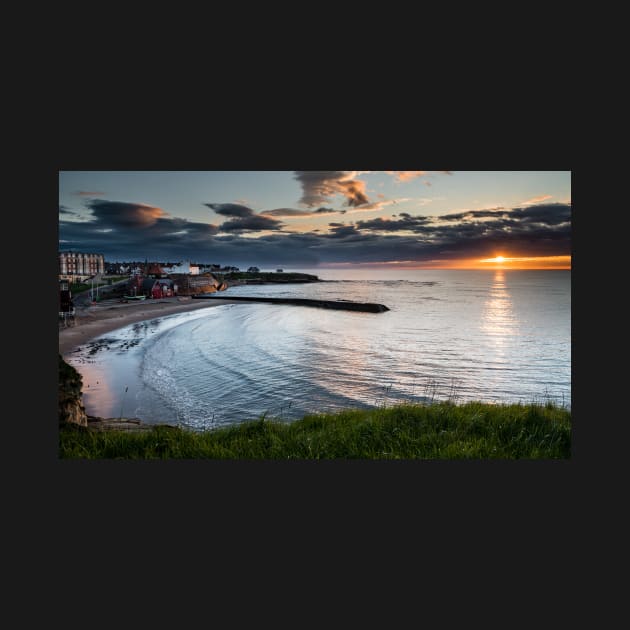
(235, 362)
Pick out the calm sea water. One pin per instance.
(495, 336)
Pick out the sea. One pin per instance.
(497, 336)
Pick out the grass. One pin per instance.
(79, 287)
(438, 431)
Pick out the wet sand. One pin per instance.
(109, 315)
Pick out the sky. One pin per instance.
(306, 219)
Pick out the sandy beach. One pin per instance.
(109, 315)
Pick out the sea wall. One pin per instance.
(342, 305)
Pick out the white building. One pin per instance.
(183, 267)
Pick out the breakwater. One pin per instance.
(342, 305)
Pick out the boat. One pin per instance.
(134, 297)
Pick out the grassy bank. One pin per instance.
(438, 431)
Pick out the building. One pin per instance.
(183, 267)
(157, 288)
(154, 270)
(66, 305)
(77, 266)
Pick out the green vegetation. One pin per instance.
(79, 287)
(437, 431)
(112, 279)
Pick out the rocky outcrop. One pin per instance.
(71, 409)
(203, 283)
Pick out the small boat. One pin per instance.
(134, 297)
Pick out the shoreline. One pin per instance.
(93, 321)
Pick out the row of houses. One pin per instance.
(187, 267)
(78, 266)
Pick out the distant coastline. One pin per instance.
(236, 278)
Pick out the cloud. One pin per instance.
(471, 215)
(230, 209)
(545, 214)
(378, 205)
(148, 232)
(538, 199)
(407, 222)
(134, 230)
(320, 186)
(122, 214)
(286, 213)
(251, 224)
(405, 176)
(245, 219)
(354, 191)
(66, 210)
(543, 229)
(87, 193)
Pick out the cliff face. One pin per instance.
(71, 409)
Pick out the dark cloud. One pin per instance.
(469, 215)
(230, 209)
(407, 222)
(65, 210)
(249, 224)
(341, 231)
(319, 186)
(545, 214)
(535, 230)
(292, 212)
(354, 190)
(245, 219)
(130, 231)
(114, 214)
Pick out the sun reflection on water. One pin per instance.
(498, 321)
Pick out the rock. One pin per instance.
(122, 424)
(71, 409)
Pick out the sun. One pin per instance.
(497, 260)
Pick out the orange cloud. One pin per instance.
(538, 199)
(405, 176)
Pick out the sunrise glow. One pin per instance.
(525, 262)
